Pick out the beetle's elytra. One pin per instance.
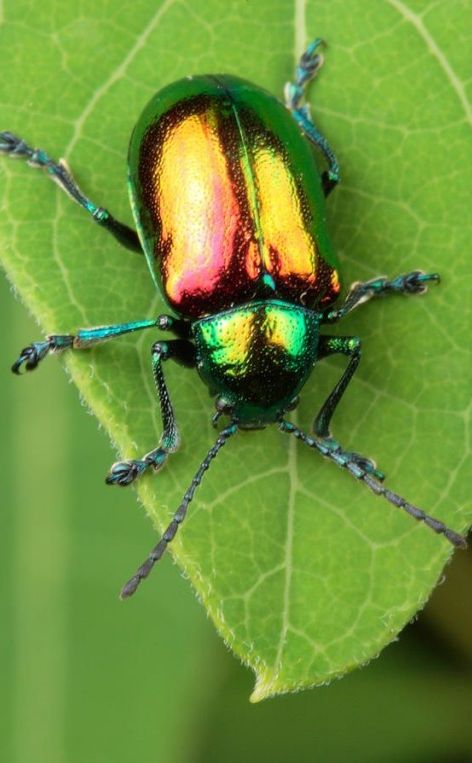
(228, 199)
(229, 206)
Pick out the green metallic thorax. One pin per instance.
(257, 356)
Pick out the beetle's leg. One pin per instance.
(307, 68)
(30, 356)
(130, 587)
(330, 345)
(350, 346)
(177, 326)
(60, 173)
(408, 283)
(363, 475)
(124, 472)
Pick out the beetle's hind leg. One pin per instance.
(306, 69)
(125, 472)
(59, 172)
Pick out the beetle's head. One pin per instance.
(252, 419)
(256, 358)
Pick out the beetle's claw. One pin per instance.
(29, 358)
(309, 63)
(123, 473)
(8, 142)
(310, 59)
(369, 466)
(416, 281)
(366, 464)
(344, 458)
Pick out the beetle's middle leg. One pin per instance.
(407, 283)
(59, 172)
(306, 69)
(350, 346)
(124, 472)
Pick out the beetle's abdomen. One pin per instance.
(228, 200)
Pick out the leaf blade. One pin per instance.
(304, 574)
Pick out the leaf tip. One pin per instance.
(266, 686)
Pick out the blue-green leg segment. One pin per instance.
(30, 356)
(364, 476)
(125, 472)
(130, 587)
(350, 346)
(59, 172)
(408, 283)
(307, 68)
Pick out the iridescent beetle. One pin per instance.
(229, 206)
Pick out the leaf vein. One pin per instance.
(436, 52)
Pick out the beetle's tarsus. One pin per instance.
(307, 68)
(369, 466)
(415, 281)
(310, 62)
(362, 291)
(123, 473)
(8, 142)
(14, 146)
(30, 357)
(344, 457)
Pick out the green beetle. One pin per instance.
(229, 206)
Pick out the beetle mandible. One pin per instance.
(229, 206)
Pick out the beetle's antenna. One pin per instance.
(130, 587)
(361, 474)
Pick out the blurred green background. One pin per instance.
(86, 677)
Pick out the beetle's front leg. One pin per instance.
(125, 472)
(350, 346)
(30, 356)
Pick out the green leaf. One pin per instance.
(304, 573)
(76, 664)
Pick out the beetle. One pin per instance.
(229, 205)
